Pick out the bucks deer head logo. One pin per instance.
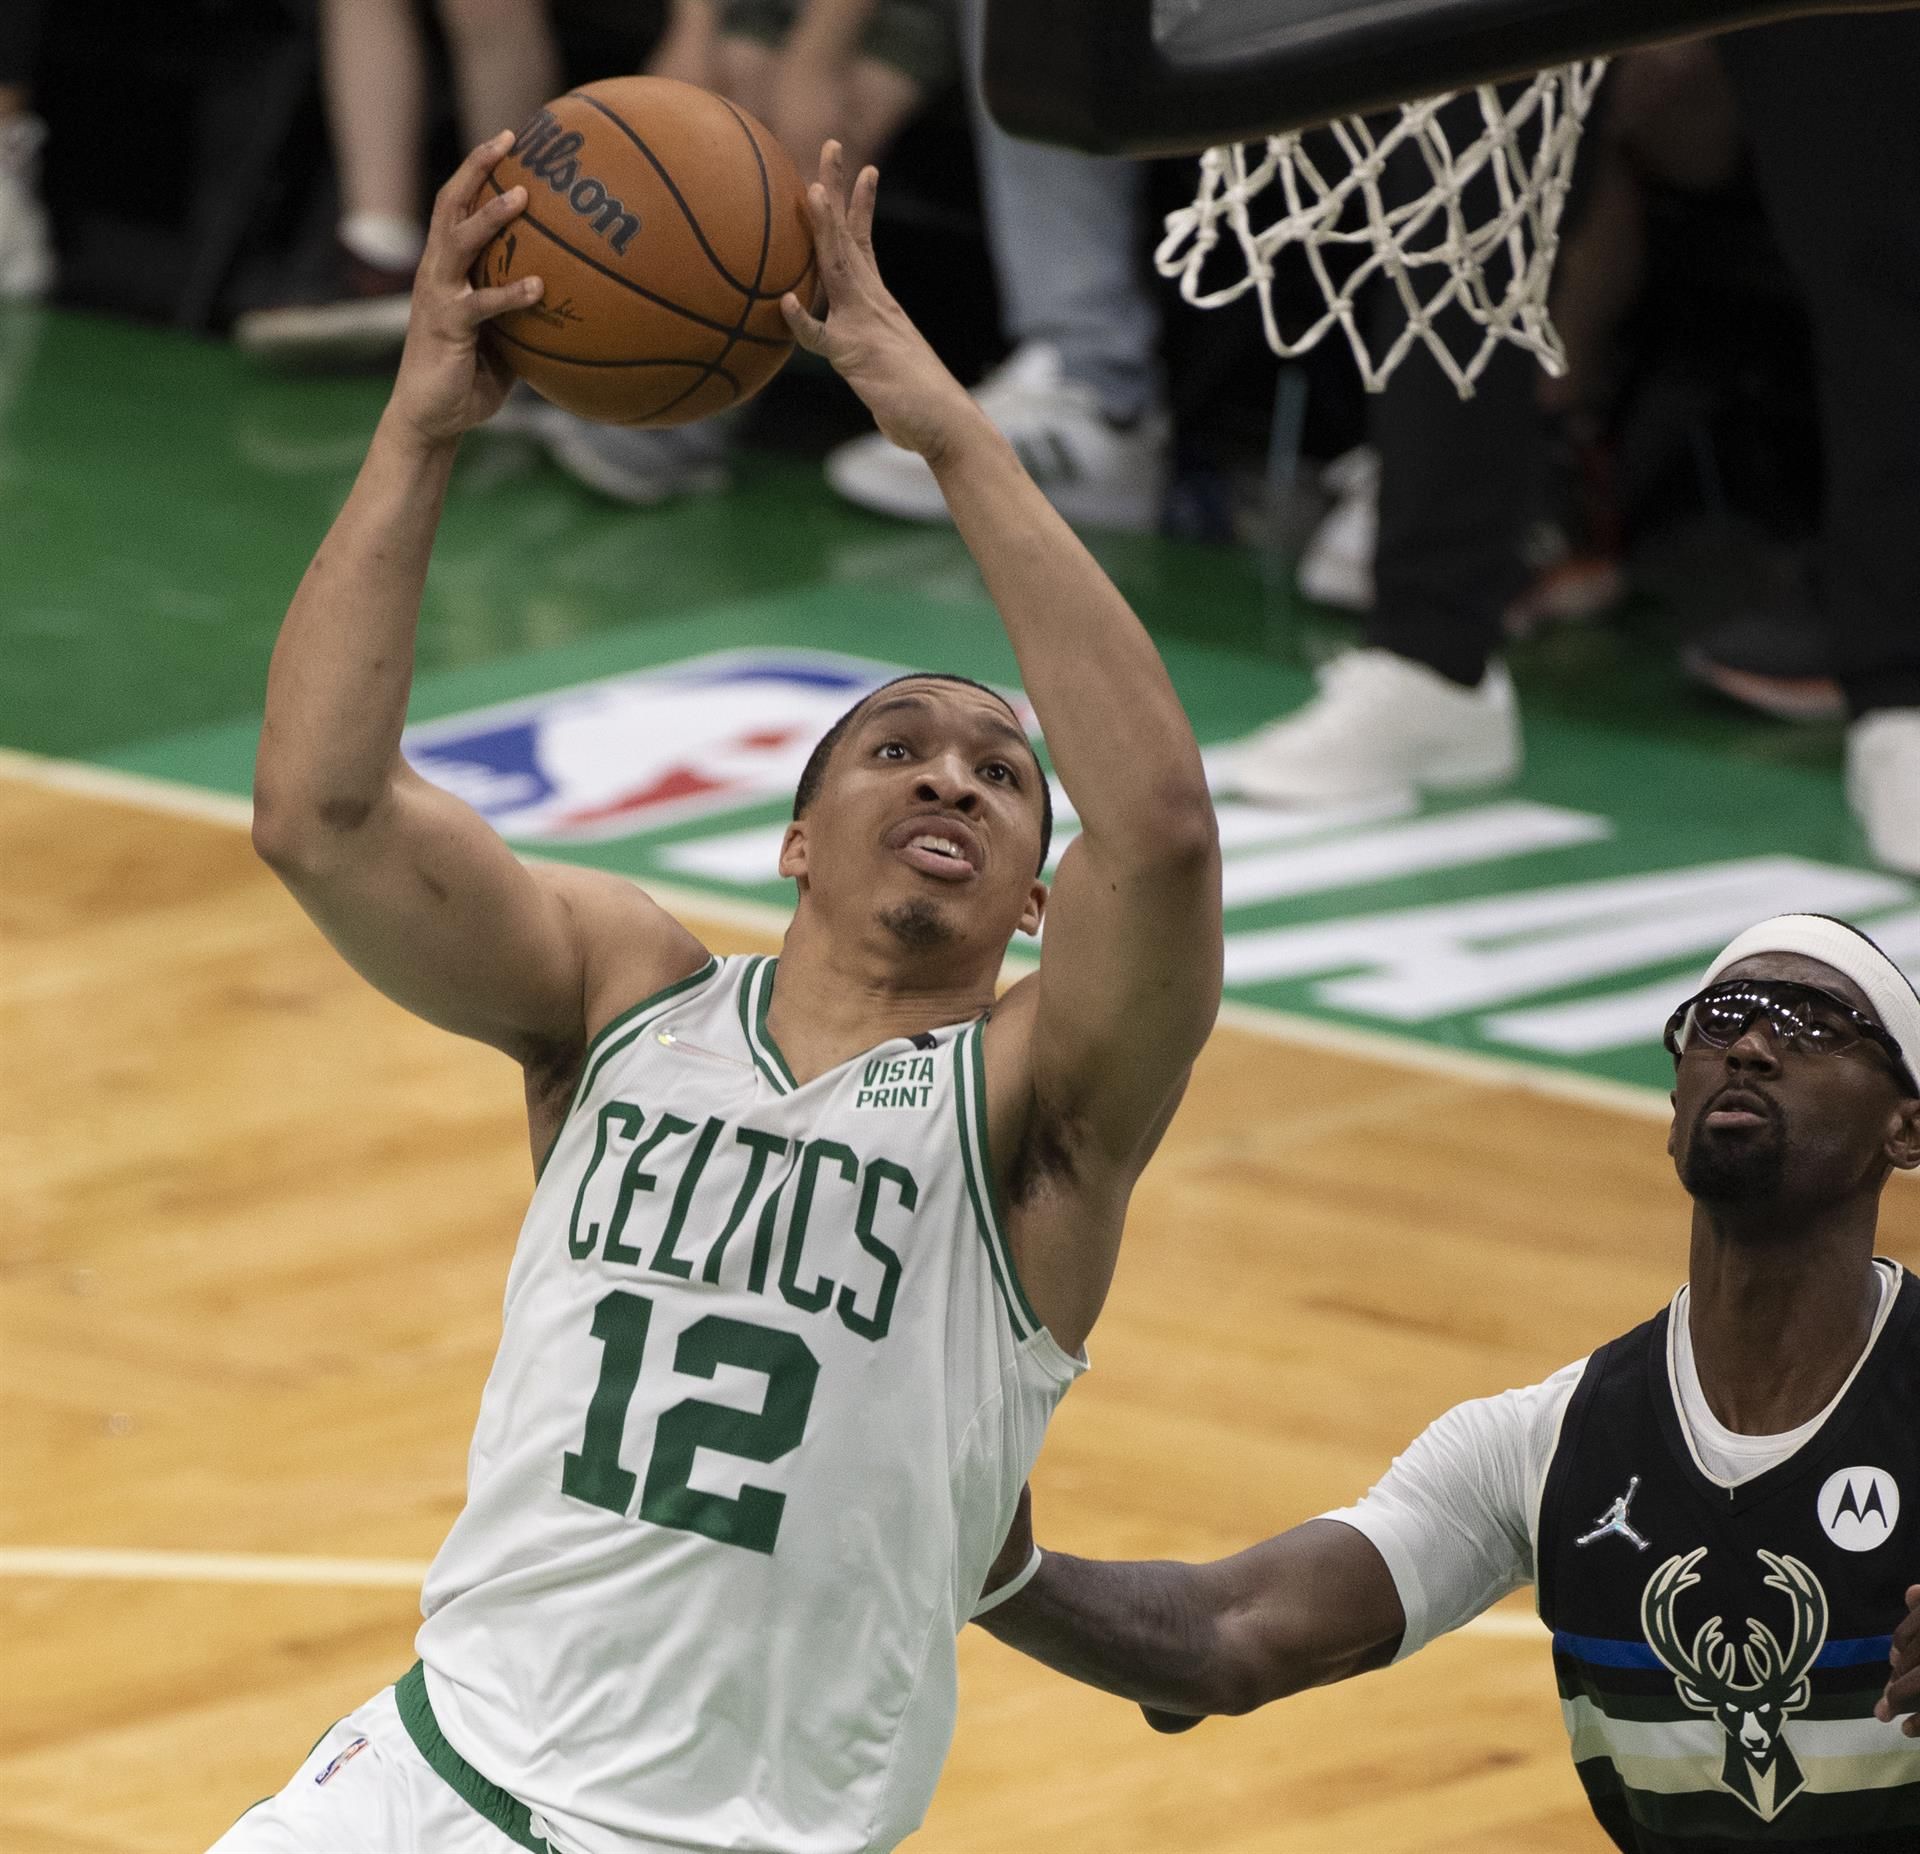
(1759, 1766)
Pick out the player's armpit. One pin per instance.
(425, 901)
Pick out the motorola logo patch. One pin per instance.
(1858, 1507)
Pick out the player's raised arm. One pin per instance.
(1131, 980)
(411, 885)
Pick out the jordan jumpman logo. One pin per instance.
(1614, 1519)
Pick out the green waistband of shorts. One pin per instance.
(505, 1812)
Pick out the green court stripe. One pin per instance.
(976, 1040)
(973, 1189)
(630, 1021)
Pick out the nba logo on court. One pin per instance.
(630, 754)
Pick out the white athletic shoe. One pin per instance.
(1094, 472)
(26, 245)
(1382, 725)
(1883, 784)
(640, 465)
(1336, 565)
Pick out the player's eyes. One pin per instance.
(891, 750)
(1001, 773)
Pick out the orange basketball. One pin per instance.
(666, 224)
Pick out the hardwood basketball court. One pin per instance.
(258, 1222)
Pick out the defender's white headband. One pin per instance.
(1833, 943)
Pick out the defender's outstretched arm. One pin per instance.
(411, 885)
(1315, 1605)
(1131, 981)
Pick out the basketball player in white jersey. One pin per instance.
(816, 1243)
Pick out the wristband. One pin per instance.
(1011, 1588)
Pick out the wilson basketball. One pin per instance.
(666, 224)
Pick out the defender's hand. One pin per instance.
(448, 381)
(866, 335)
(1903, 1688)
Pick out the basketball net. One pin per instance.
(1326, 187)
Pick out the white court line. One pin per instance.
(1486, 1071)
(212, 1567)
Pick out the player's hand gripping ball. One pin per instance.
(667, 224)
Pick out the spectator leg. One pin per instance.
(374, 73)
(1459, 487)
(1064, 230)
(1828, 109)
(505, 62)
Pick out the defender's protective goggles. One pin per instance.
(1805, 1018)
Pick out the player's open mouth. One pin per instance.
(946, 850)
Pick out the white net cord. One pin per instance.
(1327, 188)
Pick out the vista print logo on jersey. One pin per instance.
(896, 1082)
(1858, 1507)
(1758, 1765)
(633, 753)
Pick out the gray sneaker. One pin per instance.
(640, 464)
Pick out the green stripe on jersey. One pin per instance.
(752, 1015)
(627, 1026)
(980, 1190)
(762, 1032)
(976, 1042)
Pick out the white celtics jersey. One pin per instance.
(765, 1397)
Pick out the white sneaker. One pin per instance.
(26, 246)
(1382, 725)
(1336, 565)
(640, 465)
(1093, 471)
(1883, 784)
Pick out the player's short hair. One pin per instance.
(815, 770)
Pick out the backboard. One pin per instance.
(1175, 76)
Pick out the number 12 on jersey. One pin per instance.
(595, 1475)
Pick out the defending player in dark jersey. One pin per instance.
(1720, 1510)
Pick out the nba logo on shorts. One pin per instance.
(630, 754)
(347, 1756)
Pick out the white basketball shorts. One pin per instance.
(366, 1789)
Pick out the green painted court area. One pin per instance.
(631, 689)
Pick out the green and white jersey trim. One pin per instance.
(970, 1112)
(631, 1023)
(756, 994)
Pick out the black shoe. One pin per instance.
(357, 316)
(1778, 662)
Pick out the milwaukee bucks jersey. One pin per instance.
(1719, 1649)
(766, 1393)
